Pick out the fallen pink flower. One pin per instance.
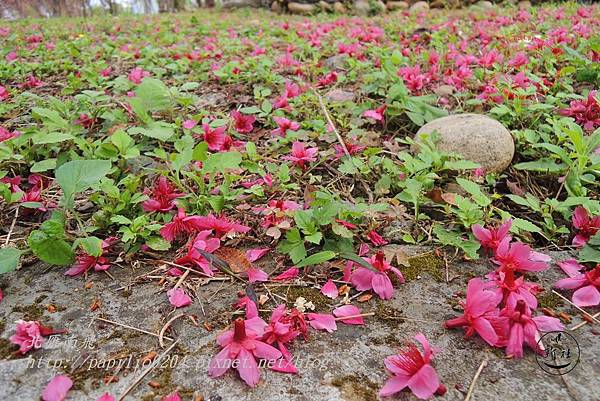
(137, 75)
(180, 225)
(480, 313)
(364, 279)
(490, 238)
(6, 135)
(3, 93)
(412, 369)
(281, 331)
(376, 239)
(106, 397)
(349, 314)
(202, 242)
(300, 155)
(522, 328)
(585, 112)
(518, 257)
(586, 226)
(512, 289)
(162, 196)
(221, 225)
(189, 124)
(216, 138)
(240, 348)
(283, 125)
(329, 289)
(242, 123)
(84, 262)
(377, 114)
(289, 274)
(178, 298)
(57, 388)
(585, 284)
(322, 321)
(256, 275)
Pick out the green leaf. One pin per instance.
(526, 225)
(357, 259)
(153, 94)
(317, 258)
(44, 165)
(222, 161)
(49, 249)
(91, 245)
(543, 165)
(79, 175)
(475, 191)
(454, 239)
(42, 138)
(9, 259)
(158, 243)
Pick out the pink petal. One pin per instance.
(248, 368)
(484, 328)
(571, 283)
(256, 275)
(571, 267)
(514, 347)
(322, 321)
(106, 397)
(547, 323)
(425, 382)
(289, 274)
(265, 351)
(349, 310)
(362, 279)
(329, 289)
(57, 389)
(394, 385)
(220, 363)
(172, 397)
(586, 296)
(382, 286)
(178, 298)
(254, 254)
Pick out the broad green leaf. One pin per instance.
(79, 175)
(9, 259)
(49, 249)
(91, 245)
(153, 94)
(158, 243)
(44, 165)
(222, 161)
(42, 138)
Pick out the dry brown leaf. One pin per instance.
(89, 285)
(154, 384)
(95, 305)
(237, 260)
(435, 195)
(51, 308)
(449, 198)
(149, 357)
(364, 297)
(394, 252)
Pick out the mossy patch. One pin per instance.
(7, 349)
(30, 312)
(356, 388)
(320, 301)
(548, 299)
(424, 263)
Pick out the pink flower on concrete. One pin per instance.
(178, 298)
(521, 328)
(412, 369)
(519, 257)
(378, 280)
(202, 242)
(241, 347)
(585, 283)
(180, 225)
(480, 313)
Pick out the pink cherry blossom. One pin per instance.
(586, 226)
(27, 336)
(364, 279)
(57, 388)
(376, 239)
(216, 138)
(3, 93)
(512, 289)
(490, 238)
(6, 135)
(172, 397)
(240, 348)
(520, 59)
(521, 328)
(281, 331)
(242, 123)
(162, 196)
(585, 112)
(411, 368)
(377, 114)
(106, 397)
(300, 155)
(480, 313)
(178, 298)
(585, 283)
(283, 125)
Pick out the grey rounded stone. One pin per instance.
(299, 8)
(475, 137)
(419, 6)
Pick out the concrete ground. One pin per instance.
(346, 365)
